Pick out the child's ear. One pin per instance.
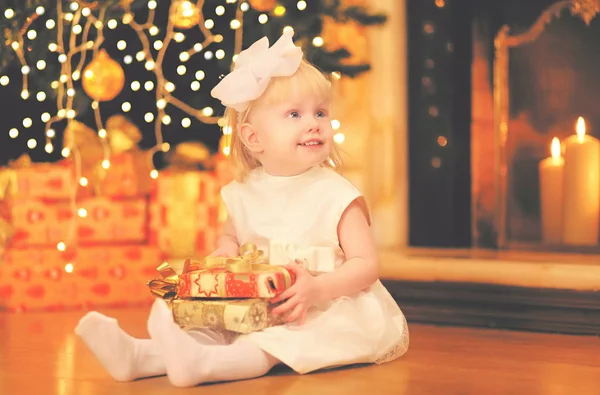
(250, 138)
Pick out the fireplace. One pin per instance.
(492, 84)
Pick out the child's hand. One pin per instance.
(300, 296)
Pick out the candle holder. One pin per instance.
(543, 81)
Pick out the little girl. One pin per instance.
(288, 201)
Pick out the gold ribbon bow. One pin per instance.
(248, 261)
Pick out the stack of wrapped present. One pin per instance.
(229, 295)
(100, 248)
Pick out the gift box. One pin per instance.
(234, 315)
(51, 181)
(184, 213)
(97, 221)
(244, 276)
(128, 175)
(88, 277)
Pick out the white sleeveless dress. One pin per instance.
(297, 218)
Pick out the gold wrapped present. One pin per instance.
(233, 315)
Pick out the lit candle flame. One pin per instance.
(580, 129)
(555, 148)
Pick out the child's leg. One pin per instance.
(189, 363)
(124, 357)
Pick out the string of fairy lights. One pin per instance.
(76, 23)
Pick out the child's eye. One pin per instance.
(321, 114)
(294, 114)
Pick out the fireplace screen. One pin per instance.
(537, 175)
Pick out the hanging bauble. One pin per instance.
(104, 78)
(263, 5)
(184, 14)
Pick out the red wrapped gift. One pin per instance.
(218, 277)
(97, 221)
(52, 181)
(46, 279)
(184, 213)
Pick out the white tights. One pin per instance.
(187, 358)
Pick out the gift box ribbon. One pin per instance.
(248, 261)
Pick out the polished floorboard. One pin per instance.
(39, 354)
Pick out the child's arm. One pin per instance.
(227, 244)
(361, 268)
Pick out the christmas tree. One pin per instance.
(79, 66)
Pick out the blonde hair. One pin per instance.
(309, 79)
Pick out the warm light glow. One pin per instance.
(339, 138)
(165, 147)
(61, 246)
(69, 268)
(580, 129)
(83, 181)
(301, 5)
(13, 133)
(555, 148)
(335, 124)
(65, 152)
(31, 143)
(279, 11)
(102, 133)
(105, 164)
(82, 212)
(154, 174)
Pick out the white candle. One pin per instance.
(581, 188)
(551, 195)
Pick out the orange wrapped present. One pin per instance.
(89, 277)
(128, 175)
(97, 221)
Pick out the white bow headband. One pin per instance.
(254, 68)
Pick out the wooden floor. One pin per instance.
(40, 355)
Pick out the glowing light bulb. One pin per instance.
(24, 94)
(198, 47)
(207, 111)
(86, 12)
(152, 5)
(154, 174)
(170, 87)
(70, 92)
(41, 65)
(61, 246)
(135, 86)
(49, 148)
(102, 133)
(65, 152)
(184, 56)
(220, 54)
(166, 120)
(15, 45)
(127, 18)
(179, 37)
(82, 212)
(25, 69)
(158, 45)
(161, 103)
(200, 75)
(181, 69)
(9, 13)
(52, 47)
(54, 84)
(63, 78)
(77, 29)
(335, 124)
(74, 6)
(165, 147)
(31, 34)
(149, 117)
(279, 11)
(140, 56)
(45, 117)
(339, 138)
(112, 24)
(149, 65)
(317, 41)
(244, 7)
(105, 164)
(94, 105)
(263, 18)
(83, 181)
(4, 80)
(149, 85)
(69, 268)
(41, 96)
(121, 45)
(195, 86)
(186, 122)
(40, 10)
(13, 133)
(580, 128)
(153, 30)
(69, 17)
(209, 23)
(220, 10)
(61, 113)
(71, 114)
(128, 59)
(50, 24)
(50, 133)
(301, 5)
(126, 106)
(31, 143)
(208, 55)
(218, 38)
(27, 122)
(62, 58)
(235, 24)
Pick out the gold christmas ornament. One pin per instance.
(184, 14)
(104, 78)
(122, 134)
(263, 5)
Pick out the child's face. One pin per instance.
(294, 135)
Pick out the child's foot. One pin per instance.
(124, 357)
(182, 354)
